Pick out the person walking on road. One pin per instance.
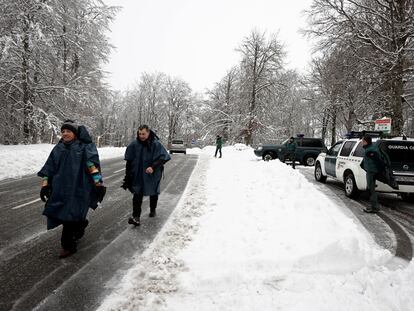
(71, 184)
(290, 151)
(145, 158)
(219, 144)
(373, 164)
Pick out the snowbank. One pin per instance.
(20, 160)
(255, 235)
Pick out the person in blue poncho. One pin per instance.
(72, 183)
(145, 158)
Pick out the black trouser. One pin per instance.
(373, 196)
(291, 156)
(71, 232)
(218, 149)
(137, 202)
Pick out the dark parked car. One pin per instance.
(307, 151)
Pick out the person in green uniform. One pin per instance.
(219, 144)
(373, 164)
(290, 151)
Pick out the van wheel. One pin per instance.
(407, 197)
(318, 173)
(351, 190)
(268, 156)
(309, 160)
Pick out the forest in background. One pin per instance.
(52, 52)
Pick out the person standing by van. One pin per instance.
(373, 165)
(290, 151)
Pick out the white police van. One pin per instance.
(342, 162)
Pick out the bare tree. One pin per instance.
(51, 54)
(177, 96)
(222, 115)
(380, 34)
(261, 61)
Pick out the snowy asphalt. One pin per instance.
(392, 228)
(32, 276)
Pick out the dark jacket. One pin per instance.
(219, 142)
(141, 155)
(72, 185)
(372, 161)
(386, 175)
(291, 147)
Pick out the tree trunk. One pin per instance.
(227, 124)
(396, 103)
(398, 11)
(172, 124)
(350, 120)
(27, 109)
(52, 136)
(325, 120)
(333, 128)
(252, 106)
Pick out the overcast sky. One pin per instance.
(196, 39)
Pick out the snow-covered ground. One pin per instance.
(20, 160)
(255, 235)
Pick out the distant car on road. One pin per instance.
(342, 162)
(177, 146)
(307, 150)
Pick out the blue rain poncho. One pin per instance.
(73, 190)
(142, 155)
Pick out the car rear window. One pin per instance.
(306, 142)
(347, 148)
(359, 150)
(177, 142)
(399, 151)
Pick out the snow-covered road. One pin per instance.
(254, 235)
(250, 235)
(32, 275)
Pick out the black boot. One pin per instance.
(153, 205)
(136, 209)
(134, 221)
(371, 210)
(66, 253)
(152, 212)
(67, 240)
(80, 229)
